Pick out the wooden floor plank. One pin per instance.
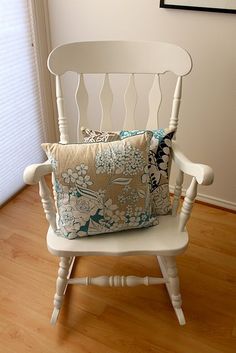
(127, 320)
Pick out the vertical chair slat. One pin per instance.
(176, 104)
(177, 192)
(106, 99)
(81, 97)
(187, 206)
(47, 203)
(154, 101)
(130, 99)
(62, 120)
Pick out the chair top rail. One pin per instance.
(119, 57)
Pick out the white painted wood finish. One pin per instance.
(117, 281)
(154, 100)
(170, 237)
(106, 98)
(164, 239)
(81, 97)
(48, 204)
(130, 100)
(186, 209)
(61, 283)
(64, 273)
(34, 172)
(62, 120)
(170, 274)
(203, 173)
(177, 192)
(176, 105)
(119, 57)
(72, 260)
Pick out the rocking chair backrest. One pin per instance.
(119, 57)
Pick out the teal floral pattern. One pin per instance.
(158, 167)
(128, 161)
(101, 188)
(156, 172)
(157, 134)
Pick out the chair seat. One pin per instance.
(163, 239)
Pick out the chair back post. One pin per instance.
(62, 120)
(174, 118)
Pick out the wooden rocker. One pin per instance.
(170, 237)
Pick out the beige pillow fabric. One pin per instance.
(158, 162)
(101, 187)
(98, 136)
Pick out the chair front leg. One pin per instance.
(61, 284)
(170, 273)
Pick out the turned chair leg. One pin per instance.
(170, 273)
(65, 268)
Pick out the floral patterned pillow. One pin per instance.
(99, 136)
(158, 164)
(101, 187)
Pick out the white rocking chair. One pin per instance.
(170, 237)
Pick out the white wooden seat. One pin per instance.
(170, 237)
(163, 239)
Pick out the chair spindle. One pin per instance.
(176, 105)
(154, 100)
(130, 99)
(106, 99)
(47, 203)
(62, 120)
(189, 199)
(177, 192)
(81, 97)
(117, 281)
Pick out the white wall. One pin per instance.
(208, 111)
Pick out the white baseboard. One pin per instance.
(212, 200)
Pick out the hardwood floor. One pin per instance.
(127, 320)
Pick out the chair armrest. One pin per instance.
(34, 172)
(203, 173)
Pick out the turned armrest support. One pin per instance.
(33, 173)
(203, 173)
